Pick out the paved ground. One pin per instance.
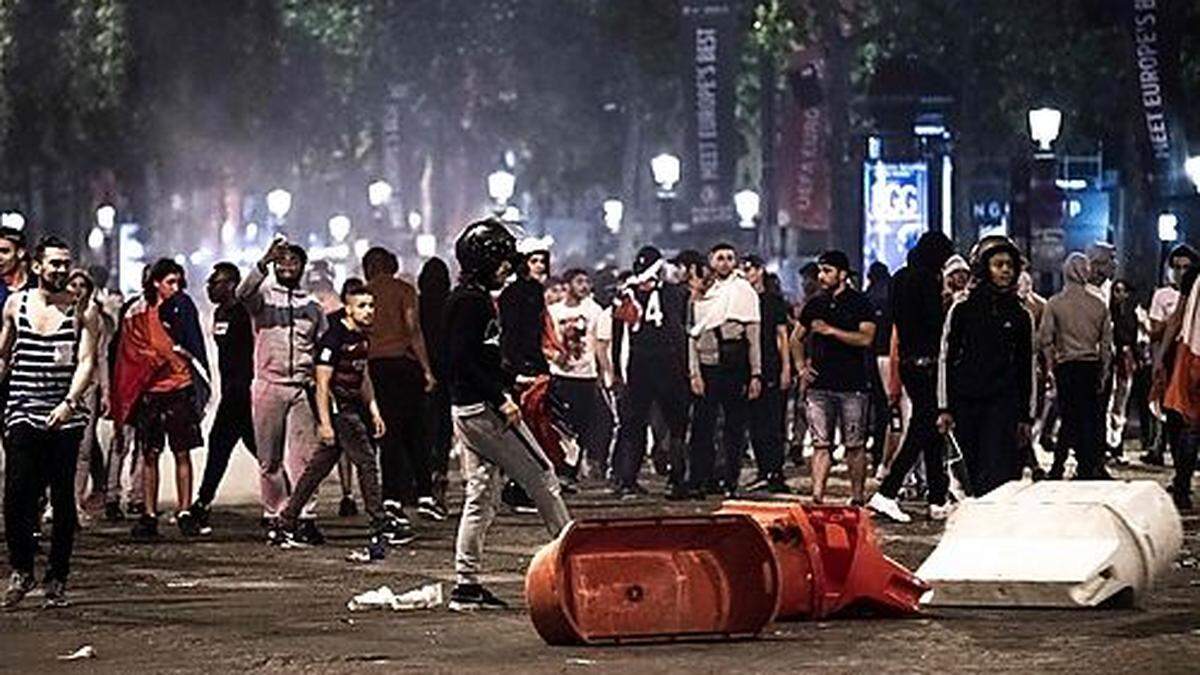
(230, 604)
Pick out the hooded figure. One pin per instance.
(1076, 340)
(986, 369)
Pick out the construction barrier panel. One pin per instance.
(1056, 544)
(654, 579)
(830, 561)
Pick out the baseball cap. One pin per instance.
(835, 259)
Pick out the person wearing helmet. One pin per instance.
(487, 421)
(655, 317)
(986, 369)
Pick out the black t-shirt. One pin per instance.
(660, 332)
(346, 351)
(774, 311)
(839, 366)
(234, 336)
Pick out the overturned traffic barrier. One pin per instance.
(1055, 544)
(653, 579)
(830, 562)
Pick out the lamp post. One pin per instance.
(1044, 127)
(614, 211)
(1168, 233)
(379, 196)
(279, 203)
(106, 222)
(13, 220)
(1192, 168)
(665, 169)
(501, 185)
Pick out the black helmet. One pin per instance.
(647, 256)
(990, 246)
(481, 248)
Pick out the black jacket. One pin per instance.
(473, 348)
(917, 311)
(522, 317)
(987, 352)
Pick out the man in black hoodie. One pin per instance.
(487, 421)
(916, 304)
(986, 371)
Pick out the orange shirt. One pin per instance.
(391, 336)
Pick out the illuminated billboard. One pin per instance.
(896, 210)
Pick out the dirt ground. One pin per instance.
(229, 603)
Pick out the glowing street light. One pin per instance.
(1044, 125)
(1192, 168)
(665, 168)
(511, 214)
(95, 240)
(415, 220)
(106, 218)
(1168, 227)
(379, 193)
(746, 203)
(614, 211)
(426, 245)
(279, 202)
(501, 185)
(339, 228)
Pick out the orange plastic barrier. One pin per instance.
(654, 579)
(830, 562)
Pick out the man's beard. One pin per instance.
(55, 284)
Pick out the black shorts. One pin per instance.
(169, 417)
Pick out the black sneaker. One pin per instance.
(136, 509)
(348, 508)
(474, 597)
(776, 485)
(188, 526)
(55, 595)
(113, 512)
(1152, 458)
(308, 533)
(289, 538)
(394, 533)
(430, 509)
(19, 585)
(758, 485)
(146, 528)
(515, 498)
(395, 511)
(202, 512)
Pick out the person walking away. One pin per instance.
(919, 310)
(433, 291)
(287, 322)
(835, 371)
(487, 421)
(48, 356)
(1076, 338)
(402, 378)
(725, 367)
(767, 430)
(654, 315)
(986, 369)
(161, 388)
(234, 421)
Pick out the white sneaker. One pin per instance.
(940, 511)
(888, 507)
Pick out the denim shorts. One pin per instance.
(828, 411)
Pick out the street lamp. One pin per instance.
(279, 202)
(379, 193)
(511, 214)
(1192, 168)
(426, 245)
(1044, 125)
(501, 185)
(106, 218)
(339, 228)
(12, 220)
(415, 220)
(747, 205)
(614, 211)
(665, 169)
(95, 240)
(1168, 227)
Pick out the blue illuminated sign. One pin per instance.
(896, 207)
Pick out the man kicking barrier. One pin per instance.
(486, 419)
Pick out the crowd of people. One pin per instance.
(542, 381)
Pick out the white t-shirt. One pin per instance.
(1164, 303)
(575, 329)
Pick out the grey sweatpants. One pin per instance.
(352, 438)
(285, 432)
(492, 449)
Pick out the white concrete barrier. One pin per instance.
(1055, 544)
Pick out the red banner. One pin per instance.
(804, 172)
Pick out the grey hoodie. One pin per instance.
(287, 323)
(1076, 325)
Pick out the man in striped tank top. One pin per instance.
(48, 353)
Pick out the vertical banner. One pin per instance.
(896, 209)
(710, 35)
(1154, 26)
(804, 171)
